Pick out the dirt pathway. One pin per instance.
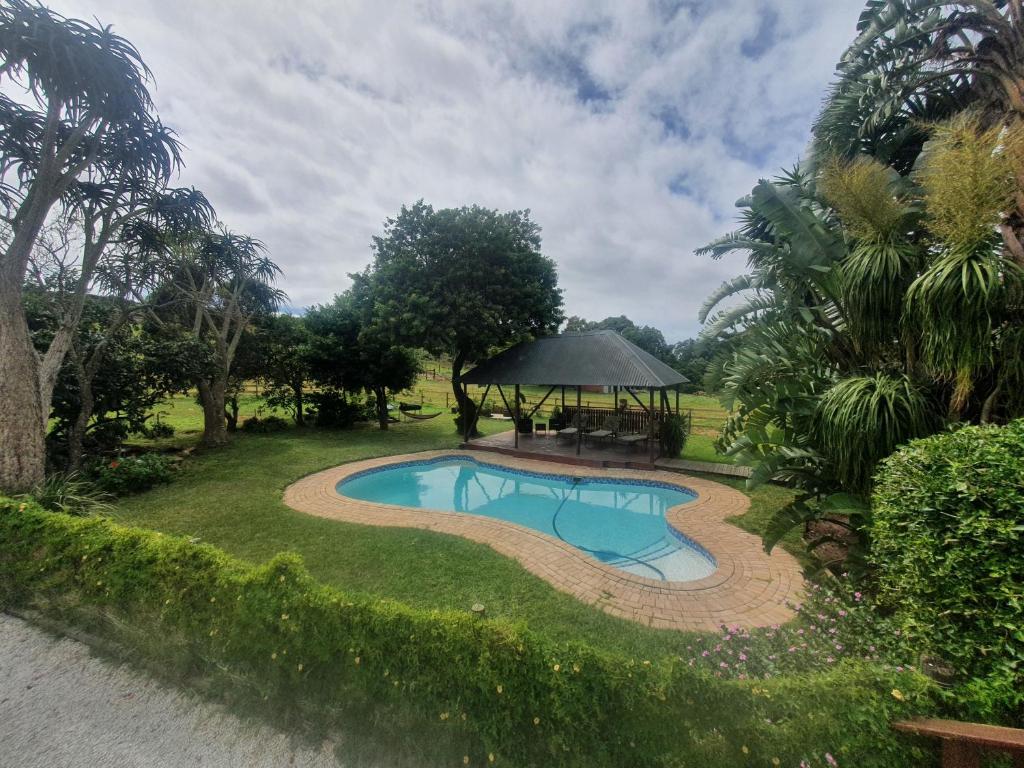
(62, 707)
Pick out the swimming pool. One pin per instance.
(619, 522)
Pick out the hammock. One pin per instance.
(420, 416)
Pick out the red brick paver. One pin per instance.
(750, 588)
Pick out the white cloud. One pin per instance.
(308, 124)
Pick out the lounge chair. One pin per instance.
(570, 433)
(608, 429)
(632, 438)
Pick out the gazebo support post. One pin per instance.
(677, 399)
(579, 419)
(466, 426)
(651, 412)
(615, 398)
(517, 417)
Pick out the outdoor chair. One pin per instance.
(570, 433)
(608, 430)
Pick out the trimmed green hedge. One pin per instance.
(947, 536)
(524, 700)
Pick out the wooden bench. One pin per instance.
(963, 743)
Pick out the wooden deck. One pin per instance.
(545, 447)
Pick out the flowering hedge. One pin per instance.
(522, 699)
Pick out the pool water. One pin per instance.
(619, 522)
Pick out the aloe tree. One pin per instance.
(221, 282)
(84, 127)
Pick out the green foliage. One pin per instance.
(968, 183)
(333, 409)
(674, 432)
(265, 424)
(71, 494)
(892, 409)
(133, 474)
(525, 700)
(948, 544)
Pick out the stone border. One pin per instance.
(750, 588)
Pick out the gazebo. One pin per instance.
(577, 360)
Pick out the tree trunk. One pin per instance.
(465, 404)
(300, 420)
(22, 421)
(231, 413)
(381, 393)
(76, 435)
(211, 395)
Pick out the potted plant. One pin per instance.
(557, 420)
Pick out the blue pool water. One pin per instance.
(621, 523)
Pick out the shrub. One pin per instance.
(133, 474)
(520, 698)
(71, 494)
(948, 544)
(157, 430)
(265, 425)
(674, 433)
(332, 409)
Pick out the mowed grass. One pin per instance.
(231, 498)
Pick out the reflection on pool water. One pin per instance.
(619, 522)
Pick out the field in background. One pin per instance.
(433, 390)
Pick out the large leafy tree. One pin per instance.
(82, 132)
(647, 337)
(462, 282)
(220, 283)
(349, 352)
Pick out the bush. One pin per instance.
(514, 695)
(265, 425)
(332, 409)
(947, 536)
(157, 430)
(71, 494)
(674, 432)
(133, 474)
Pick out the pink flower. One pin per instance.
(704, 654)
(743, 657)
(857, 596)
(830, 760)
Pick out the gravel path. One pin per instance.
(62, 707)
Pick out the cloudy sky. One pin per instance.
(629, 129)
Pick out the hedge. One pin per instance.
(525, 700)
(947, 536)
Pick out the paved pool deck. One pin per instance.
(750, 588)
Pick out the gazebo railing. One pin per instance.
(630, 420)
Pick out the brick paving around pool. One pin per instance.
(749, 588)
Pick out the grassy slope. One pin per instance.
(232, 498)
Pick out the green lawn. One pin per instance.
(232, 498)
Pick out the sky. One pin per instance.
(629, 129)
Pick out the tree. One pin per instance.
(85, 131)
(462, 281)
(349, 352)
(646, 337)
(283, 341)
(916, 62)
(93, 412)
(220, 282)
(877, 309)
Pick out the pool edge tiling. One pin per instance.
(749, 588)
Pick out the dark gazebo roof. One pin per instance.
(576, 359)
